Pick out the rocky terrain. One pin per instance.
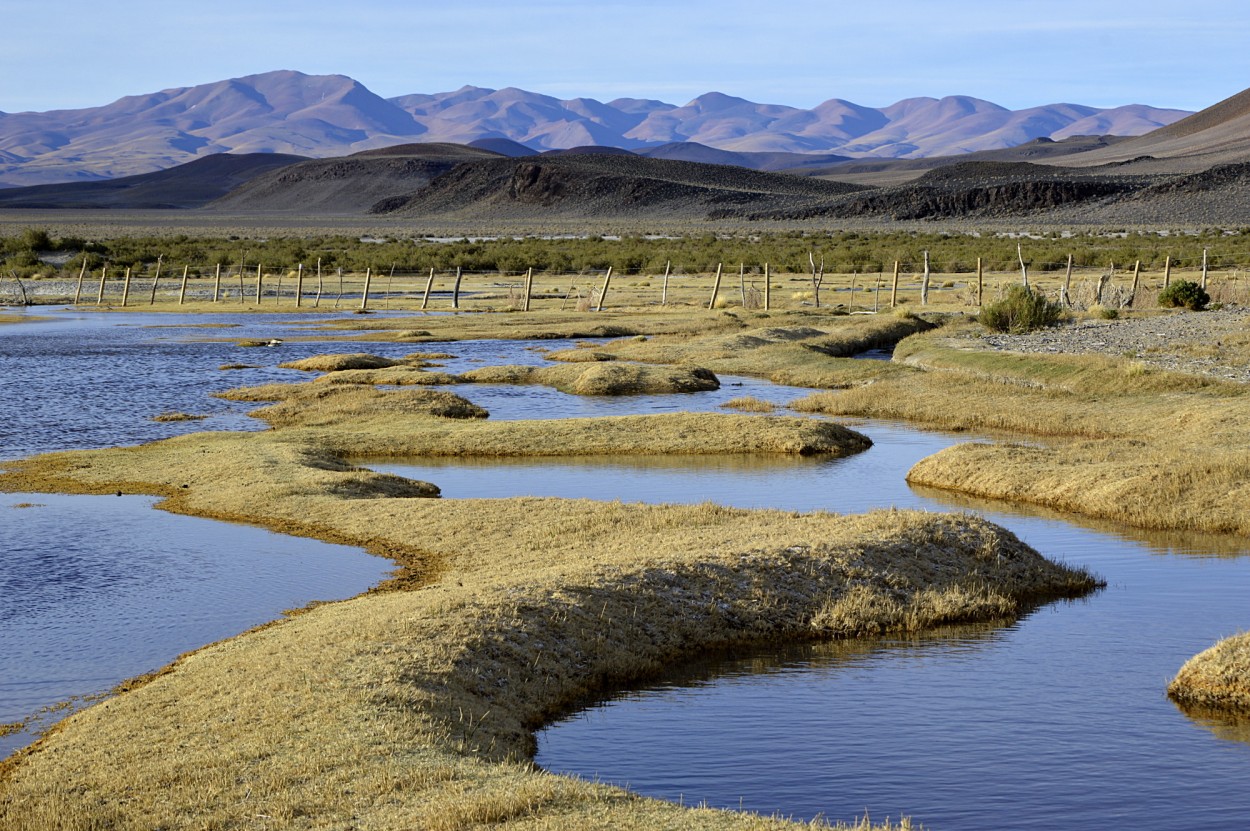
(604, 185)
(1151, 340)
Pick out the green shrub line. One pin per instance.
(844, 252)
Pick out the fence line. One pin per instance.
(1123, 284)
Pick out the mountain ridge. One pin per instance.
(332, 115)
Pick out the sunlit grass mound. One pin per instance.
(335, 362)
(602, 378)
(749, 404)
(393, 376)
(1217, 678)
(579, 356)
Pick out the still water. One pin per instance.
(1056, 719)
(96, 589)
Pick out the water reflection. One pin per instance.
(97, 589)
(1057, 717)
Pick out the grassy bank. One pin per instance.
(1122, 441)
(416, 708)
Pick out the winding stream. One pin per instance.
(1056, 719)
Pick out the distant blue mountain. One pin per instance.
(333, 115)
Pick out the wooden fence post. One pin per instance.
(768, 288)
(607, 281)
(339, 297)
(126, 288)
(182, 294)
(711, 304)
(1132, 296)
(99, 299)
(664, 292)
(242, 267)
(364, 297)
(299, 285)
(428, 285)
(217, 283)
(390, 279)
(876, 295)
(742, 283)
(1167, 270)
(156, 279)
(81, 273)
(259, 283)
(320, 285)
(924, 283)
(455, 291)
(980, 281)
(894, 289)
(1024, 269)
(529, 286)
(1204, 268)
(1067, 284)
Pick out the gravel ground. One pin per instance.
(1165, 341)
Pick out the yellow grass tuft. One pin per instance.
(750, 404)
(602, 378)
(332, 363)
(1217, 679)
(175, 416)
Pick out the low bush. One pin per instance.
(1020, 310)
(1184, 293)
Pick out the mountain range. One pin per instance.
(323, 116)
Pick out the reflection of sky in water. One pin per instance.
(1059, 719)
(96, 589)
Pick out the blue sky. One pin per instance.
(1017, 53)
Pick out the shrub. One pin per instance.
(1020, 310)
(1184, 293)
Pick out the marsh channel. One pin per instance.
(1056, 719)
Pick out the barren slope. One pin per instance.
(348, 185)
(597, 186)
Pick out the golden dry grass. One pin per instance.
(1123, 442)
(336, 362)
(414, 707)
(1217, 679)
(750, 404)
(170, 416)
(601, 378)
(349, 419)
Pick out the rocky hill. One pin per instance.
(597, 186)
(190, 185)
(349, 185)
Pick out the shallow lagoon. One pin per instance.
(1057, 718)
